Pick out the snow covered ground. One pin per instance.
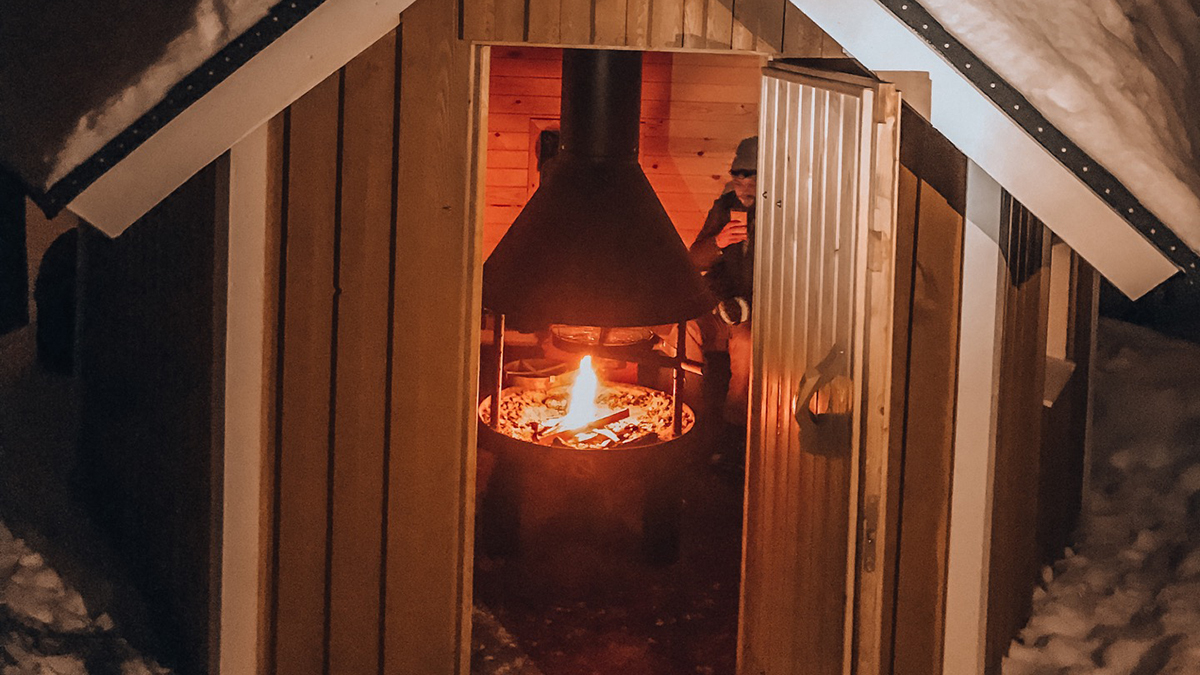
(59, 579)
(1126, 600)
(45, 628)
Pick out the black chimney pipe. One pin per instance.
(601, 104)
(594, 246)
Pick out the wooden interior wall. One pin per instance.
(1064, 432)
(152, 306)
(378, 277)
(931, 204)
(1015, 554)
(767, 26)
(695, 110)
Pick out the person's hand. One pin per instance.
(734, 232)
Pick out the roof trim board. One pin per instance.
(192, 127)
(279, 19)
(988, 135)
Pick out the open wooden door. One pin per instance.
(813, 587)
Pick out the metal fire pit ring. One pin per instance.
(621, 501)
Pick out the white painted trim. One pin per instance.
(245, 421)
(975, 429)
(1060, 300)
(325, 40)
(869, 32)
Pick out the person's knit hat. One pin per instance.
(746, 157)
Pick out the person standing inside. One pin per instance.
(724, 253)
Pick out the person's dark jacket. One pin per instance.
(729, 271)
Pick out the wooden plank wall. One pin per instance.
(765, 26)
(435, 378)
(931, 207)
(1064, 432)
(378, 272)
(1015, 555)
(151, 327)
(695, 109)
(336, 227)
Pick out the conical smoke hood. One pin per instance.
(594, 246)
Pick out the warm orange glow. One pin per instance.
(581, 406)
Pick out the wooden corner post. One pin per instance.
(431, 476)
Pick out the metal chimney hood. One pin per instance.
(594, 246)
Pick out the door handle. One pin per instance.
(822, 407)
(810, 385)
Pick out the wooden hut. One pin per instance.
(339, 186)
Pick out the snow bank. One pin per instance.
(1127, 599)
(1119, 77)
(45, 628)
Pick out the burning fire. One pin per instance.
(581, 406)
(587, 415)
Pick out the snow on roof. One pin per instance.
(1121, 78)
(65, 93)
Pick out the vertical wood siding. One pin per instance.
(929, 297)
(1015, 555)
(359, 394)
(1060, 493)
(435, 347)
(798, 498)
(334, 187)
(150, 339)
(378, 273)
(764, 26)
(306, 421)
(695, 109)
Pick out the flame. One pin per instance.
(581, 406)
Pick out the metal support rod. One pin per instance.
(498, 345)
(677, 381)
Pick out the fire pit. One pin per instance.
(594, 259)
(587, 416)
(594, 464)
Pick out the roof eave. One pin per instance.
(169, 144)
(1119, 245)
